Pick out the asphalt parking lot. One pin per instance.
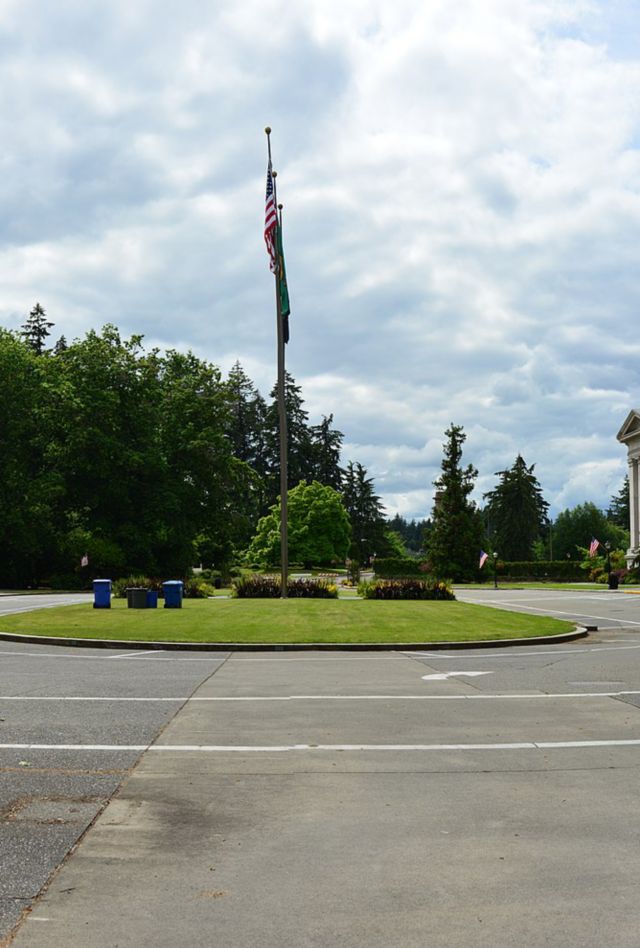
(484, 797)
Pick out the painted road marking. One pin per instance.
(554, 612)
(286, 748)
(444, 675)
(249, 698)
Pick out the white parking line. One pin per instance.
(286, 748)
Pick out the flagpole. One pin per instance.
(282, 416)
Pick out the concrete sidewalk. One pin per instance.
(285, 849)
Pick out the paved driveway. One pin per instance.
(482, 798)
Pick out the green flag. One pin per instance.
(283, 290)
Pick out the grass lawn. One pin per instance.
(291, 620)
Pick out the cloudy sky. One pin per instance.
(461, 185)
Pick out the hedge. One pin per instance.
(399, 567)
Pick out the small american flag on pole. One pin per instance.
(593, 546)
(483, 558)
(270, 221)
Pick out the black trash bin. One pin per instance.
(136, 597)
(613, 580)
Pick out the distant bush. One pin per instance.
(398, 567)
(405, 589)
(268, 587)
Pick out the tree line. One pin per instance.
(151, 462)
(514, 519)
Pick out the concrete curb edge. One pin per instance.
(578, 633)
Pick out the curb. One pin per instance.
(579, 632)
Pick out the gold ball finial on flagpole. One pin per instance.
(280, 206)
(274, 174)
(267, 130)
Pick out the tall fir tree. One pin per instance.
(326, 444)
(456, 534)
(36, 329)
(516, 512)
(366, 514)
(300, 465)
(618, 511)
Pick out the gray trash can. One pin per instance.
(102, 594)
(172, 591)
(136, 597)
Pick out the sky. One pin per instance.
(461, 191)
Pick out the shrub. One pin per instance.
(405, 589)
(268, 587)
(197, 588)
(396, 567)
(120, 586)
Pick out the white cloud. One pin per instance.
(462, 211)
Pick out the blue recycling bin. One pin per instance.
(102, 594)
(152, 598)
(172, 590)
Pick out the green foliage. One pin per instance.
(318, 525)
(599, 566)
(619, 512)
(393, 567)
(119, 586)
(574, 529)
(412, 532)
(368, 526)
(36, 329)
(405, 589)
(269, 587)
(516, 512)
(456, 535)
(197, 588)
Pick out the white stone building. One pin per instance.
(629, 434)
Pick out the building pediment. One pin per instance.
(630, 431)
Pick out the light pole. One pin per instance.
(495, 570)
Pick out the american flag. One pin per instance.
(270, 221)
(593, 546)
(483, 558)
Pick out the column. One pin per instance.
(633, 503)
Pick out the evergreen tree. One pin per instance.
(516, 512)
(326, 443)
(300, 465)
(455, 538)
(247, 410)
(619, 512)
(365, 510)
(412, 532)
(36, 329)
(60, 346)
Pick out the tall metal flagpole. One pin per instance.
(282, 410)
